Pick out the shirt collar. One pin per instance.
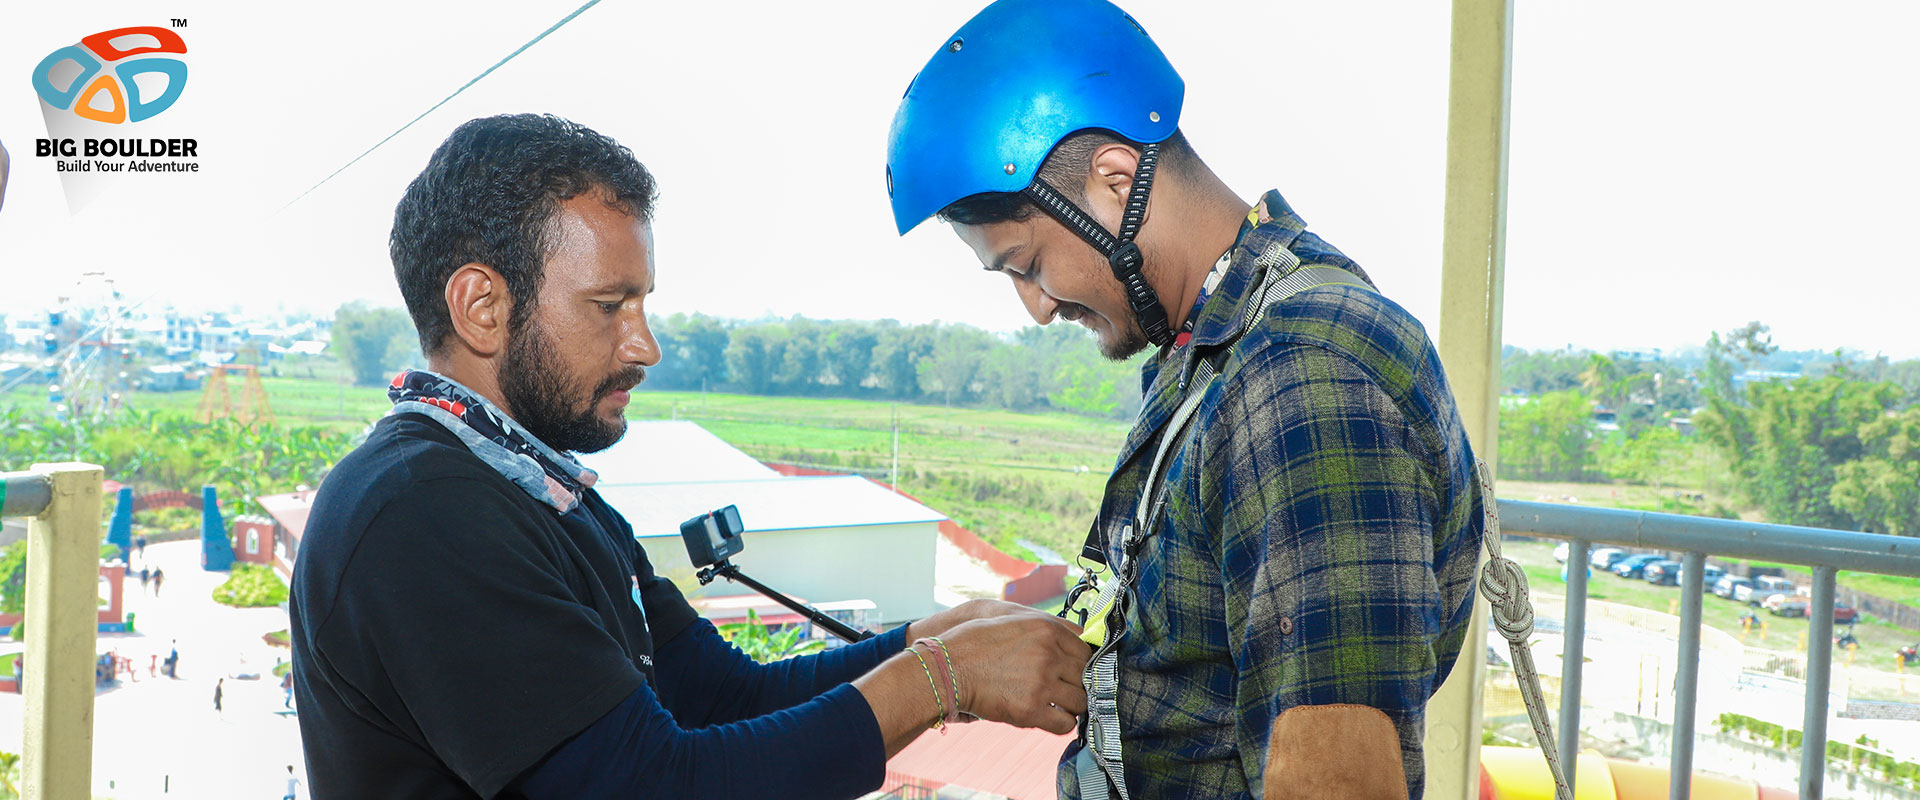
(1271, 224)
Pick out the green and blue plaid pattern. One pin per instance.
(1321, 533)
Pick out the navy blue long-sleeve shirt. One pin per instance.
(726, 726)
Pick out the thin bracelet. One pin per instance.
(941, 670)
(940, 707)
(953, 675)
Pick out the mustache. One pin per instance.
(623, 380)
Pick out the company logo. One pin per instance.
(99, 75)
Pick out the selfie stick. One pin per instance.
(836, 627)
(714, 537)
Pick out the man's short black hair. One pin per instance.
(1066, 171)
(488, 195)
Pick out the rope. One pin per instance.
(1506, 588)
(456, 93)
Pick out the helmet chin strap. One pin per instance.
(1121, 252)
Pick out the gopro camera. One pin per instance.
(713, 537)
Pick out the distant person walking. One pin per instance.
(158, 576)
(146, 579)
(219, 689)
(286, 685)
(293, 785)
(140, 546)
(173, 660)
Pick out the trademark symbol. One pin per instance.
(179, 23)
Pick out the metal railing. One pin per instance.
(1826, 551)
(62, 502)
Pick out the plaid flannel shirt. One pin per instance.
(1321, 531)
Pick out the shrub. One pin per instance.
(251, 585)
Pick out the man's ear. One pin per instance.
(1109, 181)
(478, 303)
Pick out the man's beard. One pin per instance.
(1132, 339)
(542, 397)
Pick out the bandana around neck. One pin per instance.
(550, 476)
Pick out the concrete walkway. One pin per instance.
(157, 737)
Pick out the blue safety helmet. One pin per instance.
(1009, 85)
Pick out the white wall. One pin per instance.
(892, 565)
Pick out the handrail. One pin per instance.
(24, 494)
(1793, 544)
(1826, 551)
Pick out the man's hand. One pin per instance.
(1021, 669)
(1015, 665)
(940, 623)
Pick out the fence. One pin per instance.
(1826, 551)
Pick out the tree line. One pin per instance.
(1821, 439)
(1057, 367)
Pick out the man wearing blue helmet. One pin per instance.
(1284, 555)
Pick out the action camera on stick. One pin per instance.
(714, 537)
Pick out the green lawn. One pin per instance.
(295, 401)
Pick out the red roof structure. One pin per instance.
(990, 757)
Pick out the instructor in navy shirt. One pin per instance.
(470, 619)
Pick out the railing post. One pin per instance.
(1686, 684)
(1813, 733)
(63, 559)
(1573, 655)
(1473, 257)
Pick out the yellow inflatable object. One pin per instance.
(1517, 773)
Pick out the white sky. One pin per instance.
(1676, 168)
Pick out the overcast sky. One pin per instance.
(1676, 168)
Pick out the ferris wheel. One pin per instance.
(85, 351)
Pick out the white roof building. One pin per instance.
(826, 539)
(662, 451)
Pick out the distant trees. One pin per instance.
(1056, 367)
(1829, 451)
(373, 342)
(1547, 437)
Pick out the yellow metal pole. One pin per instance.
(63, 559)
(1472, 265)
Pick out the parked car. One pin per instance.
(1606, 557)
(1765, 588)
(1631, 566)
(1728, 583)
(1661, 573)
(1708, 577)
(1793, 606)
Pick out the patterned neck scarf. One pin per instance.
(552, 477)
